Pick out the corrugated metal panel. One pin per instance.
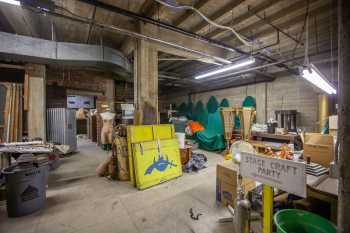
(61, 127)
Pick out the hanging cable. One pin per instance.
(306, 55)
(186, 7)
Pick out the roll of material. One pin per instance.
(181, 137)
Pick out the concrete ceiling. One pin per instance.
(259, 21)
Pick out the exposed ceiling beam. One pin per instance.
(20, 20)
(259, 8)
(199, 4)
(301, 4)
(159, 24)
(5, 25)
(218, 14)
(289, 23)
(151, 8)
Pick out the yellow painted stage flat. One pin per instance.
(144, 133)
(156, 162)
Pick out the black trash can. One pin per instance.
(26, 189)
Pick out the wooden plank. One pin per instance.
(26, 93)
(15, 112)
(20, 118)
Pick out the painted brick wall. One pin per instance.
(58, 81)
(283, 93)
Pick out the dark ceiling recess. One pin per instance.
(11, 75)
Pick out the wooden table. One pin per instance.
(263, 145)
(325, 189)
(288, 138)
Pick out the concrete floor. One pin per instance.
(78, 201)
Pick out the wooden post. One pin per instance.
(146, 83)
(344, 115)
(110, 94)
(36, 101)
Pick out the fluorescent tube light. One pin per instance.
(223, 69)
(314, 76)
(13, 2)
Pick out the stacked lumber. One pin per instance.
(13, 113)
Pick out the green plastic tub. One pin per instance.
(300, 221)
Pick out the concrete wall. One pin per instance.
(283, 93)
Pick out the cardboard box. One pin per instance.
(226, 183)
(319, 147)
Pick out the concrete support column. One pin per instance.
(261, 103)
(36, 114)
(344, 115)
(110, 93)
(146, 83)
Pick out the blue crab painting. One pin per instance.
(161, 164)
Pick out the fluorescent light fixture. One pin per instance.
(13, 2)
(314, 76)
(225, 68)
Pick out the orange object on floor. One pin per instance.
(196, 126)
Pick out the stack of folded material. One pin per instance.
(28, 161)
(316, 169)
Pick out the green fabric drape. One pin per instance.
(212, 104)
(212, 138)
(182, 109)
(224, 103)
(200, 113)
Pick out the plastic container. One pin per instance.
(301, 221)
(26, 189)
(181, 137)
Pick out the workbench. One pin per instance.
(324, 188)
(286, 138)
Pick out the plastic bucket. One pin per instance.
(300, 221)
(181, 137)
(26, 189)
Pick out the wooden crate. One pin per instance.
(185, 154)
(320, 148)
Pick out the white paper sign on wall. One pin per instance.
(283, 174)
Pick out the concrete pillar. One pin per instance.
(110, 93)
(261, 103)
(36, 113)
(344, 115)
(146, 83)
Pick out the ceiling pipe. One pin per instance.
(146, 19)
(129, 33)
(216, 43)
